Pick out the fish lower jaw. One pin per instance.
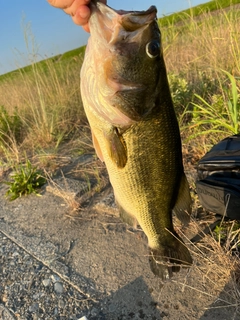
(119, 86)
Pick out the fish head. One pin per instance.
(128, 50)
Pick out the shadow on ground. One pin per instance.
(132, 301)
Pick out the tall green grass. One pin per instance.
(222, 115)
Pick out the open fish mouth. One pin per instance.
(110, 13)
(112, 21)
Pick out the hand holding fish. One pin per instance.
(78, 9)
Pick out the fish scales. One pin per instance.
(140, 182)
(135, 130)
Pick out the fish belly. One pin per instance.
(146, 188)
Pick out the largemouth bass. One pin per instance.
(127, 101)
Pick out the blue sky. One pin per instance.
(52, 30)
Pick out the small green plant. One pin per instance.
(221, 114)
(227, 234)
(26, 179)
(181, 92)
(220, 234)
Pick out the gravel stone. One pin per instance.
(28, 292)
(94, 312)
(112, 307)
(34, 307)
(46, 282)
(5, 314)
(15, 254)
(55, 311)
(58, 287)
(61, 304)
(55, 278)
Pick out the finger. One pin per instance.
(81, 15)
(76, 5)
(63, 4)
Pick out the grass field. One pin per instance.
(41, 108)
(197, 11)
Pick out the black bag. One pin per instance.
(218, 184)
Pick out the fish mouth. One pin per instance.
(121, 85)
(113, 24)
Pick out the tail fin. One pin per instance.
(168, 259)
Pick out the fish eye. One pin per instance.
(153, 49)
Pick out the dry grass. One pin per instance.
(197, 50)
(48, 102)
(214, 278)
(205, 44)
(64, 191)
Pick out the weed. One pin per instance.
(219, 115)
(181, 92)
(220, 233)
(26, 179)
(228, 236)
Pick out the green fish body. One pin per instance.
(135, 132)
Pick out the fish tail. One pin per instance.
(169, 258)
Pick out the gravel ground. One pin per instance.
(30, 290)
(90, 265)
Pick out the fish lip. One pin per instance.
(149, 11)
(103, 7)
(122, 85)
(105, 18)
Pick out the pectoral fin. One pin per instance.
(182, 207)
(116, 147)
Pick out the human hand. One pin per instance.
(78, 9)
